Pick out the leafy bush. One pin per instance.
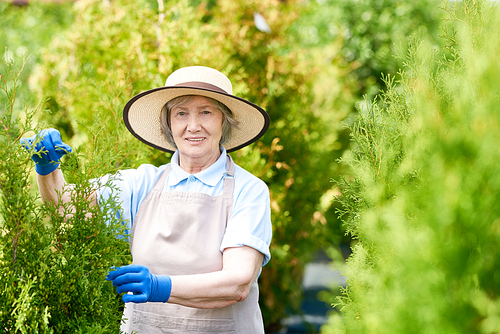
(423, 199)
(53, 260)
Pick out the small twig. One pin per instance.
(90, 236)
(161, 16)
(15, 241)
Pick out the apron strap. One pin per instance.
(163, 178)
(229, 186)
(157, 187)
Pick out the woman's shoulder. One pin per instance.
(242, 173)
(246, 181)
(149, 168)
(144, 169)
(145, 173)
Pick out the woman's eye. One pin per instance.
(181, 113)
(206, 112)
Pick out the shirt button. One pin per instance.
(192, 178)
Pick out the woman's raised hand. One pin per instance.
(47, 149)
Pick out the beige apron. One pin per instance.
(180, 233)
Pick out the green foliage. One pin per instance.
(29, 29)
(423, 198)
(353, 44)
(53, 260)
(360, 37)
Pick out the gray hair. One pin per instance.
(228, 123)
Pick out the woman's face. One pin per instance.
(197, 130)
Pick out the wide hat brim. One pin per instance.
(141, 116)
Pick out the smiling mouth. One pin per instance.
(195, 140)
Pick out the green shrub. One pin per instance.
(422, 202)
(53, 260)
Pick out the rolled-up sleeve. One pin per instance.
(250, 222)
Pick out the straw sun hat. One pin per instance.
(142, 113)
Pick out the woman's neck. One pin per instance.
(196, 165)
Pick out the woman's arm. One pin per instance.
(53, 188)
(241, 266)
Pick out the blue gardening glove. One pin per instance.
(145, 286)
(48, 150)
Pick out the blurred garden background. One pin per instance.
(381, 157)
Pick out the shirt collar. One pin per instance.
(210, 176)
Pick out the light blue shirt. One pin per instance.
(250, 222)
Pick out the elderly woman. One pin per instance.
(200, 226)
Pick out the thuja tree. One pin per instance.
(422, 201)
(123, 47)
(53, 259)
(354, 42)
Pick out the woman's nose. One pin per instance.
(194, 123)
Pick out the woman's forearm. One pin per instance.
(54, 189)
(52, 186)
(222, 288)
(213, 290)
